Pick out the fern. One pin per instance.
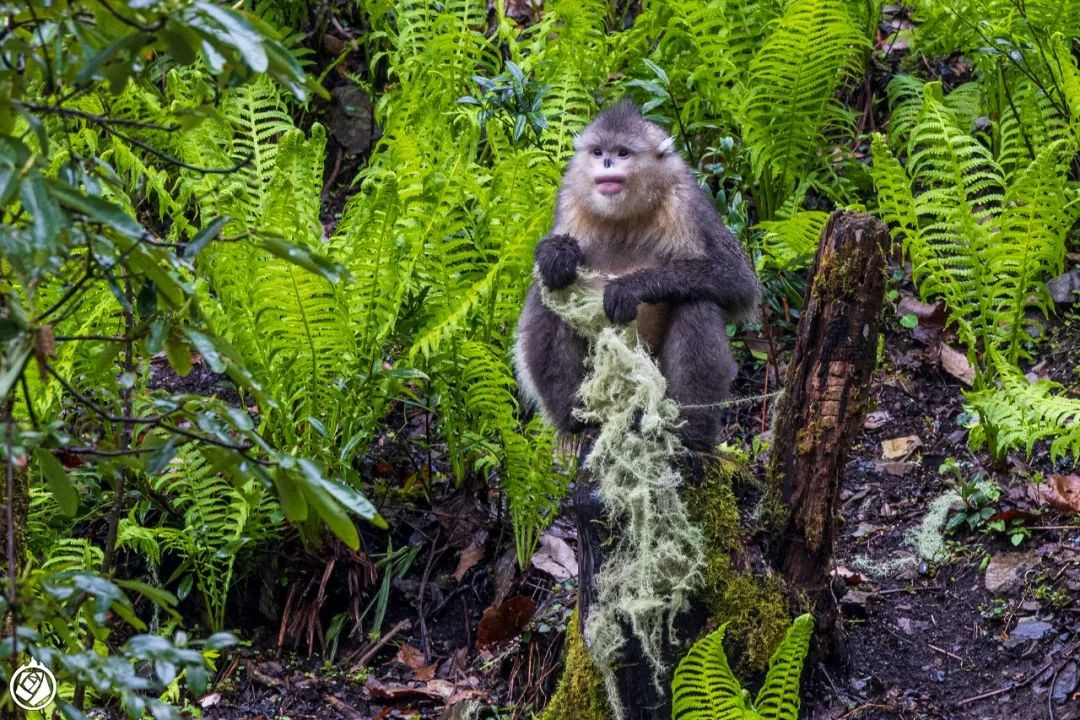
(791, 244)
(1020, 413)
(789, 109)
(704, 687)
(219, 520)
(290, 325)
(984, 233)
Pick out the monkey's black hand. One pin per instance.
(621, 298)
(558, 257)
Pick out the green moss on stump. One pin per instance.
(580, 694)
(754, 605)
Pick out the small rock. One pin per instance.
(1065, 289)
(1005, 573)
(1067, 680)
(905, 625)
(859, 684)
(1028, 630)
(864, 529)
(1030, 606)
(896, 469)
(856, 600)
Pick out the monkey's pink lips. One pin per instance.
(610, 184)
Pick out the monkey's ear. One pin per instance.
(666, 148)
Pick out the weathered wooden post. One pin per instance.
(826, 394)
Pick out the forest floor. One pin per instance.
(987, 627)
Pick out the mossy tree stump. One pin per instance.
(825, 398)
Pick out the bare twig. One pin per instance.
(91, 117)
(367, 657)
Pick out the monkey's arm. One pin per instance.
(550, 361)
(732, 286)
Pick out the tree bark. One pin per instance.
(825, 396)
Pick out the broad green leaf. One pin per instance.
(159, 596)
(331, 513)
(305, 258)
(63, 491)
(239, 33)
(41, 208)
(351, 499)
(96, 209)
(291, 498)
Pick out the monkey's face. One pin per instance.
(619, 174)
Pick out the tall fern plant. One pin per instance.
(439, 237)
(705, 688)
(985, 239)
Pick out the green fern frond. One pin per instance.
(68, 554)
(790, 244)
(1031, 247)
(778, 698)
(1028, 123)
(704, 687)
(1020, 413)
(219, 520)
(790, 104)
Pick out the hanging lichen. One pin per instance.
(655, 560)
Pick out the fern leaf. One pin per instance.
(704, 687)
(778, 698)
(809, 52)
(790, 244)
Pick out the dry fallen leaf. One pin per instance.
(469, 557)
(956, 364)
(505, 621)
(413, 659)
(1062, 492)
(877, 419)
(928, 313)
(900, 447)
(555, 557)
(210, 700)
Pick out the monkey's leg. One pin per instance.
(550, 359)
(696, 361)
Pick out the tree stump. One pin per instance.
(825, 398)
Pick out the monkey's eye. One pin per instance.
(597, 152)
(623, 152)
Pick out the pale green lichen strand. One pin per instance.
(656, 557)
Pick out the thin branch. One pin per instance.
(175, 160)
(242, 449)
(103, 338)
(100, 119)
(108, 453)
(89, 274)
(132, 23)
